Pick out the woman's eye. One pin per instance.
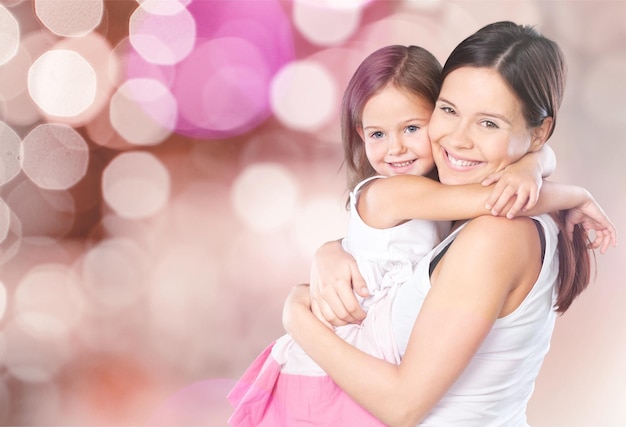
(489, 124)
(446, 109)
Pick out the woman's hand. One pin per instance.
(334, 274)
(591, 217)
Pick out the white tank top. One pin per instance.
(495, 387)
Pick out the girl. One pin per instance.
(386, 108)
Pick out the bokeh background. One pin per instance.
(168, 167)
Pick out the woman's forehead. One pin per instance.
(480, 90)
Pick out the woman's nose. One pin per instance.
(458, 136)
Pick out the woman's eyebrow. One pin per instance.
(482, 113)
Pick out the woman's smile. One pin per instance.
(458, 161)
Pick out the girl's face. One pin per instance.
(477, 127)
(394, 133)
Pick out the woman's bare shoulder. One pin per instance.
(499, 237)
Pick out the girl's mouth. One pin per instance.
(401, 164)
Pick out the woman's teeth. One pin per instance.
(460, 162)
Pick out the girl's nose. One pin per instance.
(396, 146)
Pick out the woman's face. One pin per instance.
(393, 131)
(477, 127)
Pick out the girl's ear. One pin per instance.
(359, 130)
(540, 134)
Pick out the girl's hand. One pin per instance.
(334, 273)
(513, 182)
(590, 216)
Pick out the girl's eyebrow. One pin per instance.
(404, 122)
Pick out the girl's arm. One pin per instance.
(489, 258)
(334, 274)
(390, 201)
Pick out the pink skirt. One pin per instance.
(266, 397)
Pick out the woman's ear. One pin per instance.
(541, 133)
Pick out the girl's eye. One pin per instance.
(412, 129)
(376, 135)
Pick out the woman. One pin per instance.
(474, 323)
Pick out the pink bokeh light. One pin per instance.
(222, 86)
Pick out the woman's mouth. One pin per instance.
(459, 162)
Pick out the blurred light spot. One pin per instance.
(5, 400)
(34, 44)
(416, 29)
(603, 25)
(13, 74)
(101, 132)
(303, 94)
(127, 63)
(9, 35)
(199, 404)
(423, 5)
(33, 360)
(21, 110)
(114, 273)
(62, 83)
(47, 213)
(322, 219)
(143, 111)
(3, 305)
(10, 156)
(47, 302)
(164, 7)
(36, 403)
(340, 62)
(222, 85)
(184, 297)
(136, 185)
(326, 23)
(5, 220)
(601, 81)
(274, 254)
(10, 233)
(55, 156)
(96, 50)
(70, 18)
(162, 32)
(265, 196)
(11, 3)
